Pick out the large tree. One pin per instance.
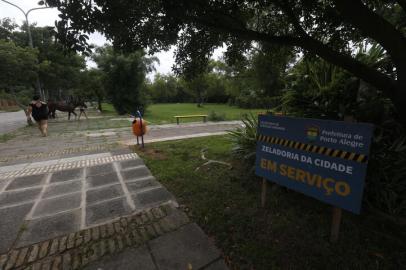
(328, 28)
(18, 66)
(124, 77)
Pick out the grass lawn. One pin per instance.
(164, 113)
(5, 137)
(292, 232)
(108, 108)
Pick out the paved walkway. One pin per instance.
(64, 139)
(88, 202)
(11, 121)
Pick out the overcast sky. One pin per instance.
(48, 16)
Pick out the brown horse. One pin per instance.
(64, 107)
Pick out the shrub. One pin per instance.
(213, 116)
(386, 178)
(244, 138)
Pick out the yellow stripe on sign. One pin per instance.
(302, 146)
(268, 139)
(321, 150)
(328, 152)
(286, 143)
(297, 144)
(351, 157)
(360, 158)
(335, 153)
(315, 148)
(308, 147)
(343, 154)
(276, 141)
(291, 144)
(272, 139)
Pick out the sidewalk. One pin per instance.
(11, 121)
(104, 208)
(74, 201)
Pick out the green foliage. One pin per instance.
(169, 89)
(124, 78)
(92, 86)
(245, 138)
(386, 180)
(18, 65)
(291, 232)
(213, 116)
(59, 72)
(317, 89)
(164, 113)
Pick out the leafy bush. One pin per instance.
(252, 101)
(386, 179)
(213, 116)
(244, 138)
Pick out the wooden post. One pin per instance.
(263, 193)
(335, 224)
(337, 212)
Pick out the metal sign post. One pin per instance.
(142, 136)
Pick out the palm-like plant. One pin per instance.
(245, 138)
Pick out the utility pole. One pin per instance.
(30, 42)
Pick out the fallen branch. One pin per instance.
(211, 161)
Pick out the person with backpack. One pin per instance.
(39, 111)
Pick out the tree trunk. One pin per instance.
(99, 104)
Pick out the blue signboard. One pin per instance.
(323, 159)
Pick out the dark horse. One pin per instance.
(64, 106)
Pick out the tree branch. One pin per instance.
(359, 69)
(375, 27)
(246, 34)
(366, 73)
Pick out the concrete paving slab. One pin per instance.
(152, 197)
(13, 167)
(42, 163)
(131, 163)
(19, 196)
(102, 180)
(57, 205)
(10, 222)
(137, 186)
(107, 210)
(101, 134)
(130, 259)
(121, 151)
(135, 173)
(62, 188)
(26, 181)
(186, 246)
(101, 169)
(3, 183)
(67, 175)
(49, 227)
(84, 157)
(104, 193)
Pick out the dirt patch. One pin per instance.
(153, 153)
